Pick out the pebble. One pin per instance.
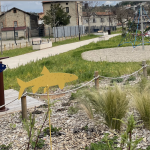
(71, 136)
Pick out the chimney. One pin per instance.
(86, 5)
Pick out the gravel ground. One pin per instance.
(118, 54)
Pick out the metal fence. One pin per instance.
(104, 28)
(68, 31)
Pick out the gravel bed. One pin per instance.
(118, 54)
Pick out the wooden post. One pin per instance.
(4, 47)
(96, 80)
(26, 44)
(20, 45)
(144, 69)
(24, 107)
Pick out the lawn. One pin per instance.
(71, 62)
(118, 30)
(20, 51)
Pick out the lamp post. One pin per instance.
(142, 27)
(78, 21)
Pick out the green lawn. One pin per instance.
(71, 62)
(20, 51)
(118, 30)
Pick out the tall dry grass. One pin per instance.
(141, 96)
(112, 104)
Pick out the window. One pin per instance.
(67, 9)
(14, 11)
(101, 19)
(94, 20)
(66, 3)
(15, 24)
(1, 25)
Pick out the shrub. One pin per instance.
(104, 144)
(119, 80)
(4, 147)
(142, 104)
(39, 145)
(148, 71)
(72, 110)
(131, 78)
(112, 104)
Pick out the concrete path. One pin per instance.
(16, 61)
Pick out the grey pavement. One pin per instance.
(14, 62)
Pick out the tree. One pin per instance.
(56, 16)
(123, 15)
(90, 9)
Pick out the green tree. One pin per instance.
(56, 16)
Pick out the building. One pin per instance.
(74, 8)
(20, 20)
(100, 19)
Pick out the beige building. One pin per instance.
(20, 20)
(74, 8)
(100, 19)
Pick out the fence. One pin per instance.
(104, 28)
(96, 78)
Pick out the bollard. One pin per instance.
(2, 98)
(144, 69)
(20, 45)
(12, 46)
(4, 47)
(26, 44)
(96, 80)
(24, 108)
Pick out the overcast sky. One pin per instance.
(35, 6)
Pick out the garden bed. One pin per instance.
(77, 130)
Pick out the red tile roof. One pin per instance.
(50, 1)
(12, 28)
(99, 13)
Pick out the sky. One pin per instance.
(35, 6)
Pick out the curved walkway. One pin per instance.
(16, 61)
(118, 54)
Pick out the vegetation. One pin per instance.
(53, 129)
(126, 141)
(72, 110)
(71, 62)
(112, 104)
(56, 16)
(5, 147)
(142, 102)
(39, 144)
(105, 144)
(118, 80)
(21, 51)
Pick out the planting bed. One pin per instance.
(77, 130)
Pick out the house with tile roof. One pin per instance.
(73, 8)
(20, 20)
(100, 19)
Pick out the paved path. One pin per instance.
(16, 61)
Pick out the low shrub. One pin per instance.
(5, 147)
(72, 110)
(119, 80)
(131, 78)
(112, 104)
(142, 104)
